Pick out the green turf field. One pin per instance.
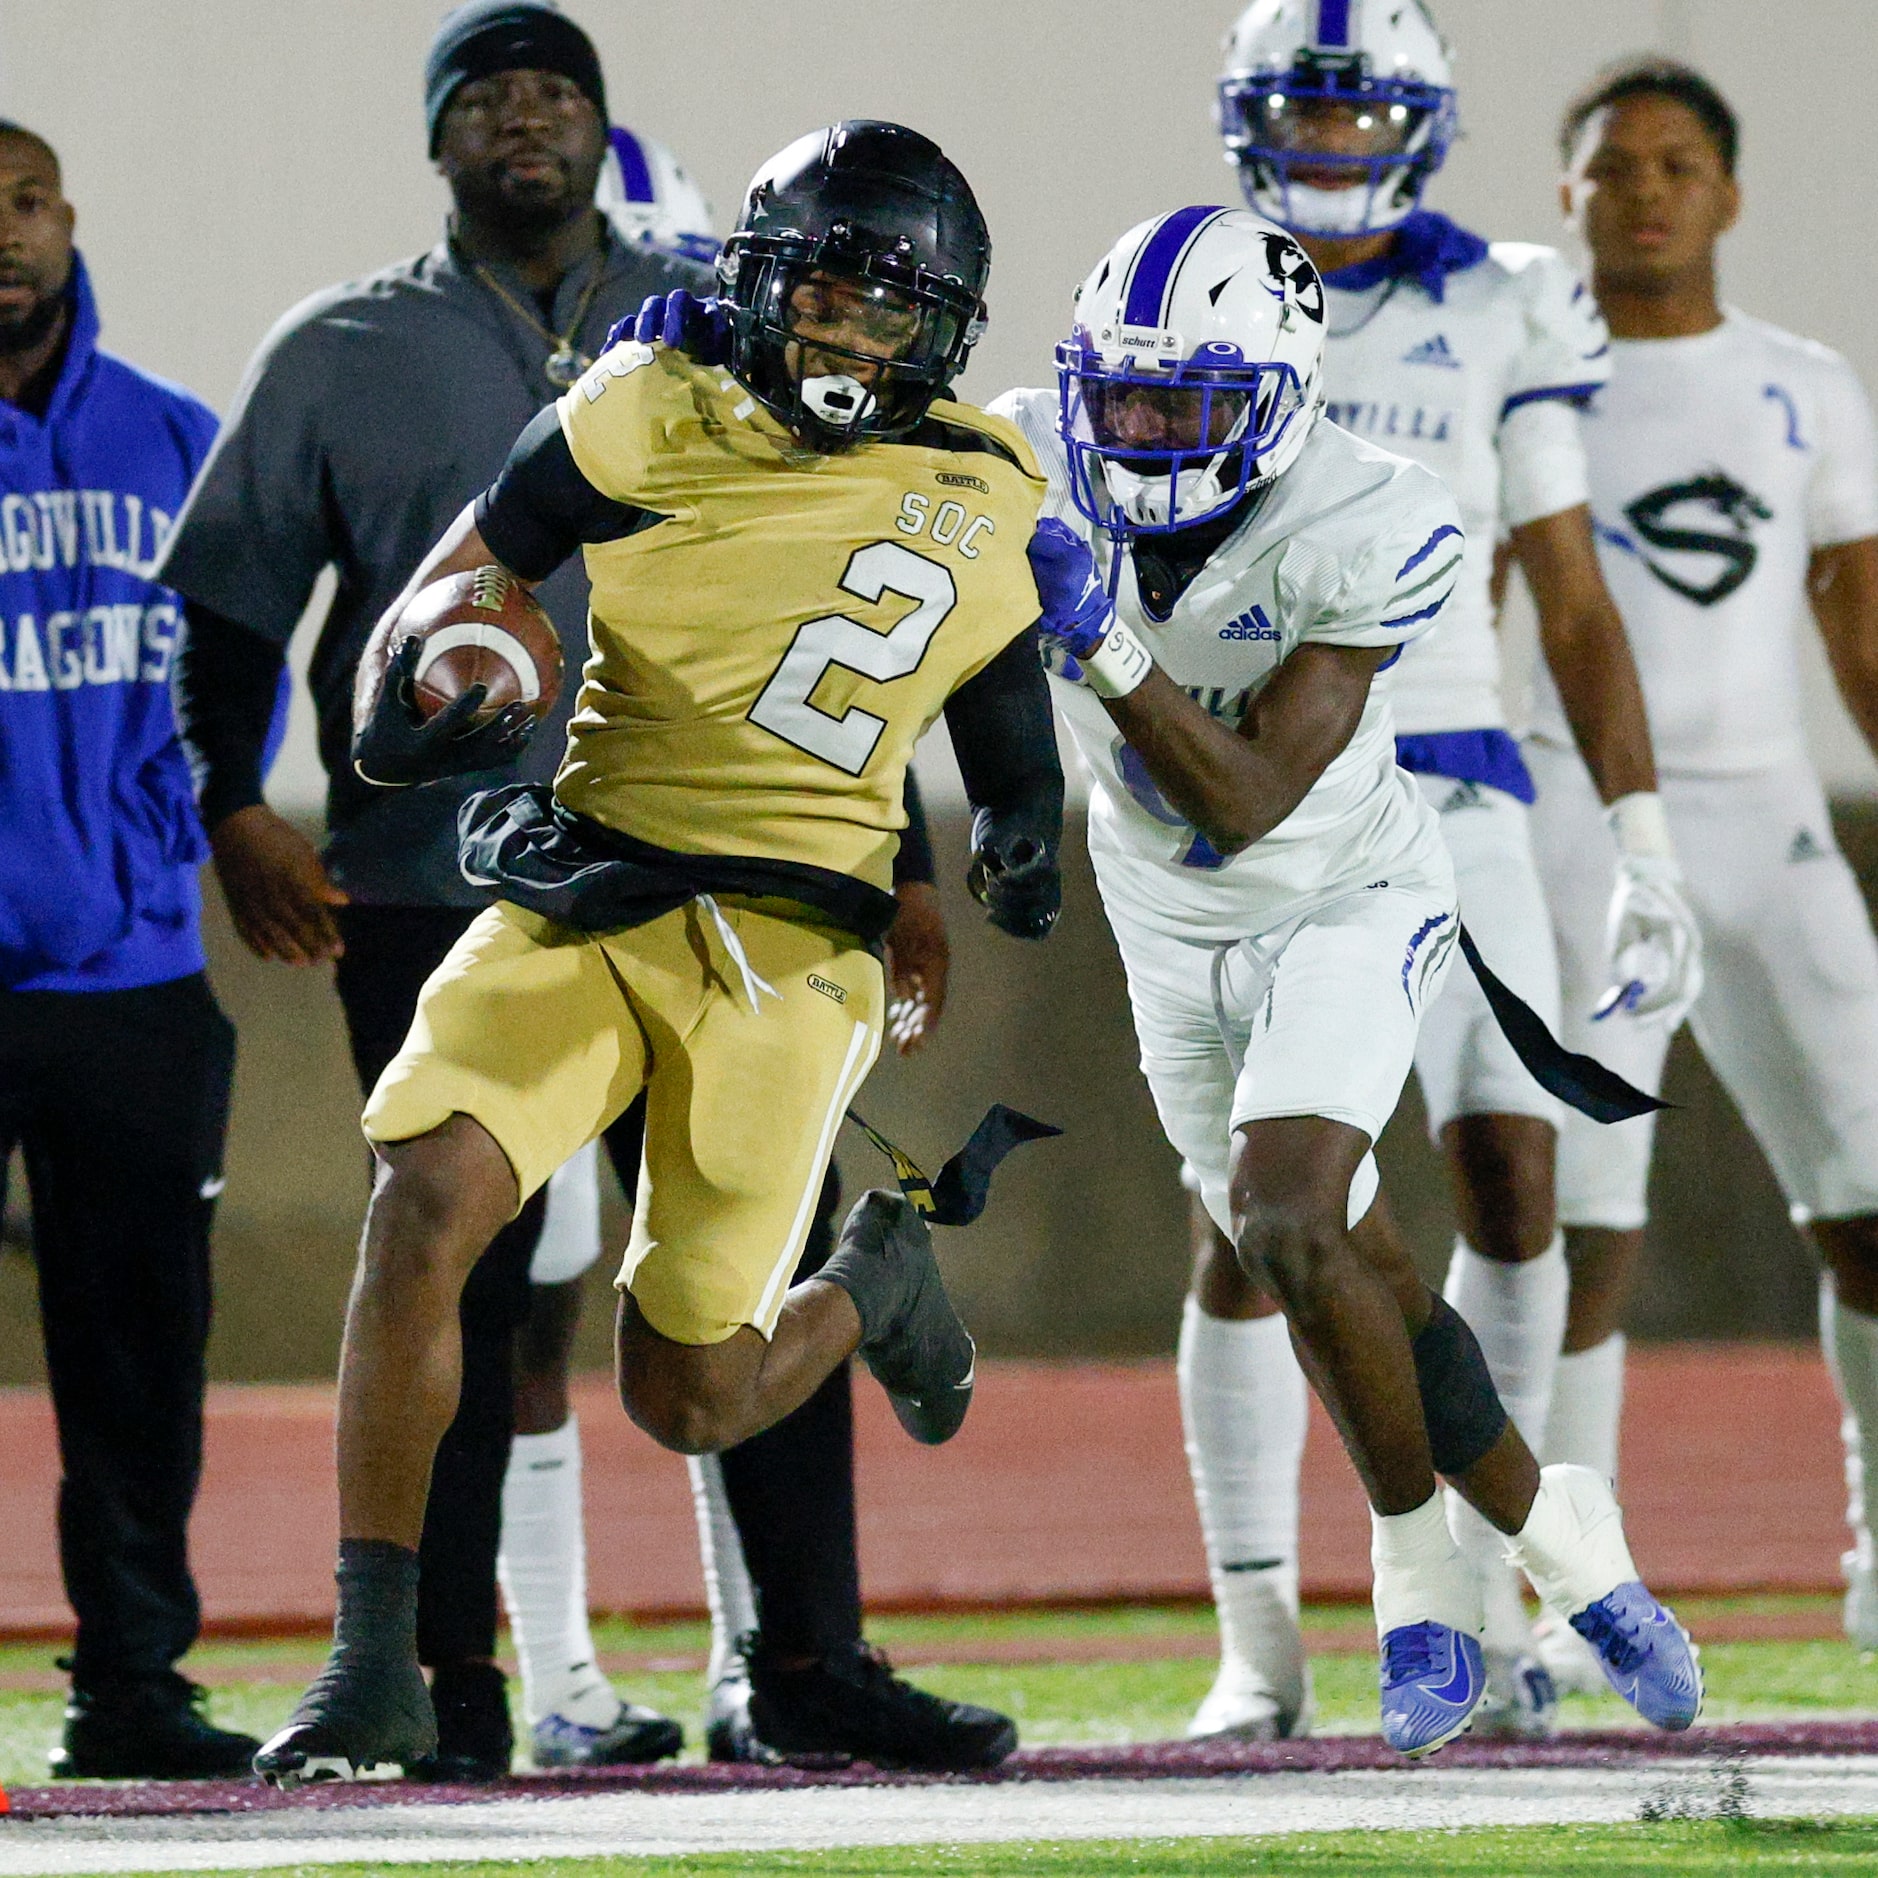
(255, 1684)
(1668, 1851)
(1111, 1682)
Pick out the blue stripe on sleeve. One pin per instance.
(1414, 619)
(1579, 395)
(1427, 548)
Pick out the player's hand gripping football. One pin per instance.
(698, 328)
(397, 745)
(1655, 944)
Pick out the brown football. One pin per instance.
(482, 628)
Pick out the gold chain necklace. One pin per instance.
(565, 363)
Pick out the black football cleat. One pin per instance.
(912, 1339)
(850, 1706)
(359, 1713)
(146, 1728)
(475, 1735)
(729, 1734)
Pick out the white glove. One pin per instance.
(1655, 944)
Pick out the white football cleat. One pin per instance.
(1861, 1595)
(1243, 1704)
(1521, 1703)
(1263, 1689)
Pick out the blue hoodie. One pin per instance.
(99, 841)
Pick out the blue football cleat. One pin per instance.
(1646, 1655)
(1432, 1677)
(1572, 1548)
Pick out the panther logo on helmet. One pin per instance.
(1298, 282)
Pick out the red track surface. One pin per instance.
(1067, 1484)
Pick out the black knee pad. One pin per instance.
(1460, 1405)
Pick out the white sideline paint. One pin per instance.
(649, 1824)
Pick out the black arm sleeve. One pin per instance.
(540, 510)
(914, 860)
(223, 686)
(1004, 736)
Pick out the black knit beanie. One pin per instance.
(488, 36)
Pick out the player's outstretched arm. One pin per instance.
(1582, 635)
(1004, 736)
(1233, 785)
(1843, 583)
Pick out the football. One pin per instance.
(482, 628)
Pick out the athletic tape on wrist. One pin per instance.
(1641, 827)
(1118, 665)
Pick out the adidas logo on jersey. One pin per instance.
(1435, 351)
(1807, 846)
(1252, 625)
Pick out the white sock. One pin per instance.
(1419, 1574)
(1587, 1408)
(1243, 1405)
(1850, 1341)
(727, 1586)
(1518, 1314)
(543, 1569)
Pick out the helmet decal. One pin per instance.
(1333, 22)
(1297, 282)
(1159, 261)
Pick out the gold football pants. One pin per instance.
(750, 1033)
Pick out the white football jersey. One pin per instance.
(1718, 464)
(1481, 386)
(1351, 547)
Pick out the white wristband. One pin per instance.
(1118, 665)
(1640, 826)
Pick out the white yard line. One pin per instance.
(646, 1824)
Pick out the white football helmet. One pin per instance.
(1336, 112)
(1193, 372)
(648, 198)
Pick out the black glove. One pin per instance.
(395, 746)
(1014, 874)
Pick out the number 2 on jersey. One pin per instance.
(848, 741)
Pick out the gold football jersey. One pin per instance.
(766, 657)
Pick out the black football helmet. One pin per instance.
(861, 251)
